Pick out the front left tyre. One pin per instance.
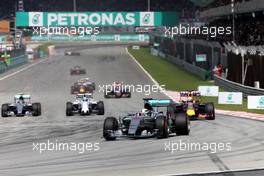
(110, 127)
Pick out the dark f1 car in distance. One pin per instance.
(77, 70)
(71, 53)
(22, 106)
(150, 121)
(84, 104)
(83, 86)
(117, 90)
(191, 104)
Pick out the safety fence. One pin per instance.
(236, 87)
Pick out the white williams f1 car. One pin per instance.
(84, 104)
(22, 106)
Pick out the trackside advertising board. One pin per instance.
(201, 58)
(99, 37)
(210, 91)
(230, 98)
(25, 19)
(255, 102)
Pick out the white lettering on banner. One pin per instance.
(66, 19)
(230, 98)
(82, 19)
(62, 19)
(255, 102)
(107, 19)
(130, 18)
(210, 91)
(52, 18)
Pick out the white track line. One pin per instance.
(147, 73)
(21, 70)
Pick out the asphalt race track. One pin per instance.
(49, 83)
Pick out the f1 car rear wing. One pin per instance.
(24, 96)
(158, 102)
(192, 93)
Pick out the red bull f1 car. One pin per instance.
(77, 70)
(83, 86)
(190, 103)
(117, 90)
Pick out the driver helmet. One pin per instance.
(85, 98)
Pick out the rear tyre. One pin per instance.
(110, 127)
(100, 108)
(39, 108)
(182, 124)
(69, 109)
(162, 126)
(35, 109)
(210, 110)
(4, 110)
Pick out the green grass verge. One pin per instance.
(177, 79)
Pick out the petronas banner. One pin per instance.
(25, 19)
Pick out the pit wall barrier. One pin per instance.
(236, 87)
(17, 61)
(3, 67)
(18, 57)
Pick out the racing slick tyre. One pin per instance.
(69, 108)
(182, 124)
(35, 109)
(38, 108)
(100, 108)
(4, 110)
(110, 126)
(210, 110)
(162, 126)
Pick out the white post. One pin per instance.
(74, 5)
(148, 5)
(243, 70)
(233, 14)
